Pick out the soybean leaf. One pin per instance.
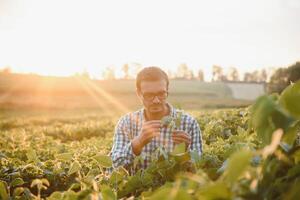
(3, 190)
(17, 182)
(64, 156)
(75, 167)
(237, 164)
(218, 190)
(293, 192)
(166, 121)
(182, 194)
(31, 155)
(170, 193)
(163, 193)
(290, 99)
(104, 161)
(107, 193)
(260, 119)
(291, 134)
(179, 149)
(296, 156)
(56, 195)
(116, 177)
(18, 191)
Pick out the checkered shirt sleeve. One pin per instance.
(122, 154)
(196, 136)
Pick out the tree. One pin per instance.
(190, 75)
(125, 69)
(217, 73)
(183, 71)
(233, 74)
(109, 73)
(283, 77)
(6, 70)
(256, 76)
(263, 76)
(248, 77)
(200, 75)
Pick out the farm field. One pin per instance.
(249, 153)
(33, 91)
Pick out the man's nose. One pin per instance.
(156, 100)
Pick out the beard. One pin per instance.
(156, 108)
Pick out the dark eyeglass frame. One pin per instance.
(150, 96)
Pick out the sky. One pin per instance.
(62, 37)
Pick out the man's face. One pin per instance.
(153, 94)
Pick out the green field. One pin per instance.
(249, 153)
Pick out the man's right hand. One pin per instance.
(150, 129)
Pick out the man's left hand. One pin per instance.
(180, 137)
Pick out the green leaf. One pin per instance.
(31, 155)
(132, 184)
(183, 157)
(107, 193)
(115, 177)
(45, 182)
(296, 156)
(290, 99)
(182, 194)
(166, 120)
(75, 186)
(75, 167)
(70, 195)
(290, 135)
(237, 164)
(260, 119)
(36, 182)
(17, 182)
(3, 190)
(18, 191)
(293, 193)
(162, 152)
(267, 116)
(147, 179)
(179, 149)
(163, 193)
(294, 172)
(218, 190)
(56, 196)
(104, 161)
(170, 193)
(118, 175)
(64, 156)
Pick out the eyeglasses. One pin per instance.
(150, 96)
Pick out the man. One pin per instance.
(141, 132)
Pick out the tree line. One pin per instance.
(186, 73)
(276, 81)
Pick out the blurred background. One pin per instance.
(86, 54)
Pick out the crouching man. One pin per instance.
(141, 132)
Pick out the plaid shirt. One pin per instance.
(129, 126)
